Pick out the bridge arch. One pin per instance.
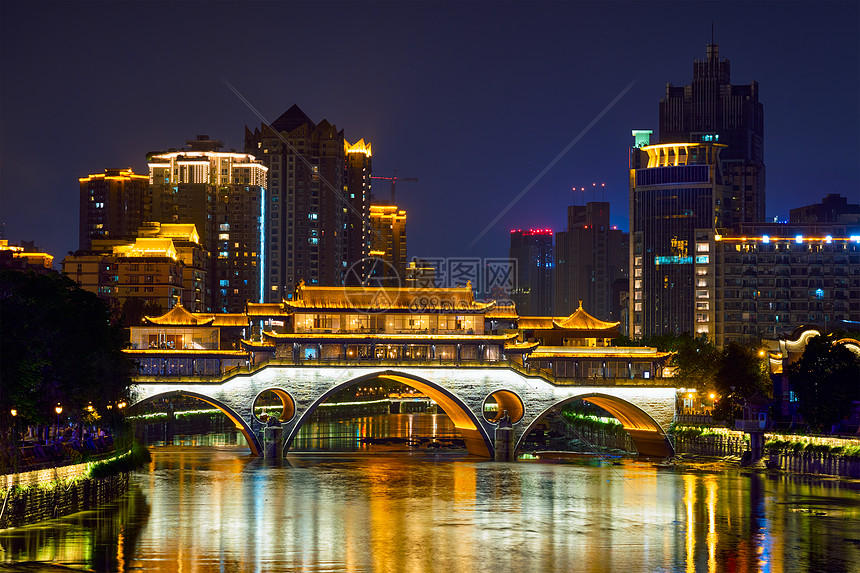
(288, 405)
(649, 437)
(464, 420)
(234, 417)
(507, 401)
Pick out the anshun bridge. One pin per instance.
(458, 352)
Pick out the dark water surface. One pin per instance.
(215, 508)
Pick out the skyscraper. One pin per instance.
(589, 257)
(358, 230)
(224, 195)
(678, 198)
(307, 222)
(712, 109)
(532, 251)
(113, 205)
(388, 243)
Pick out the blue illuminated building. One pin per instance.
(678, 197)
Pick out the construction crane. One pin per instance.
(394, 179)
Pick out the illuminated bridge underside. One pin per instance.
(234, 417)
(644, 411)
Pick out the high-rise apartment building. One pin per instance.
(358, 169)
(774, 277)
(590, 256)
(532, 252)
(195, 260)
(113, 205)
(678, 197)
(712, 109)
(388, 244)
(224, 195)
(307, 214)
(164, 266)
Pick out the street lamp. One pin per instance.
(14, 413)
(58, 410)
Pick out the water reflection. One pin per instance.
(353, 435)
(98, 540)
(218, 508)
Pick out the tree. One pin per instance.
(826, 379)
(134, 309)
(57, 345)
(695, 360)
(740, 373)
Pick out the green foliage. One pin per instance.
(687, 431)
(680, 431)
(826, 380)
(696, 359)
(586, 415)
(799, 446)
(57, 345)
(624, 340)
(741, 373)
(132, 459)
(134, 309)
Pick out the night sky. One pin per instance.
(473, 99)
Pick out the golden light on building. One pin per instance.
(358, 147)
(675, 154)
(121, 175)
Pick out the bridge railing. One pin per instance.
(508, 364)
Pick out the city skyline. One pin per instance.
(475, 101)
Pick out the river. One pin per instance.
(213, 507)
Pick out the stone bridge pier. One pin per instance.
(644, 411)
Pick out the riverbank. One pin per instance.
(809, 455)
(48, 493)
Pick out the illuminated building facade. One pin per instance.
(589, 258)
(147, 269)
(113, 204)
(712, 110)
(379, 325)
(388, 243)
(420, 274)
(580, 346)
(195, 260)
(164, 266)
(25, 257)
(313, 172)
(532, 252)
(677, 198)
(358, 169)
(224, 195)
(772, 277)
